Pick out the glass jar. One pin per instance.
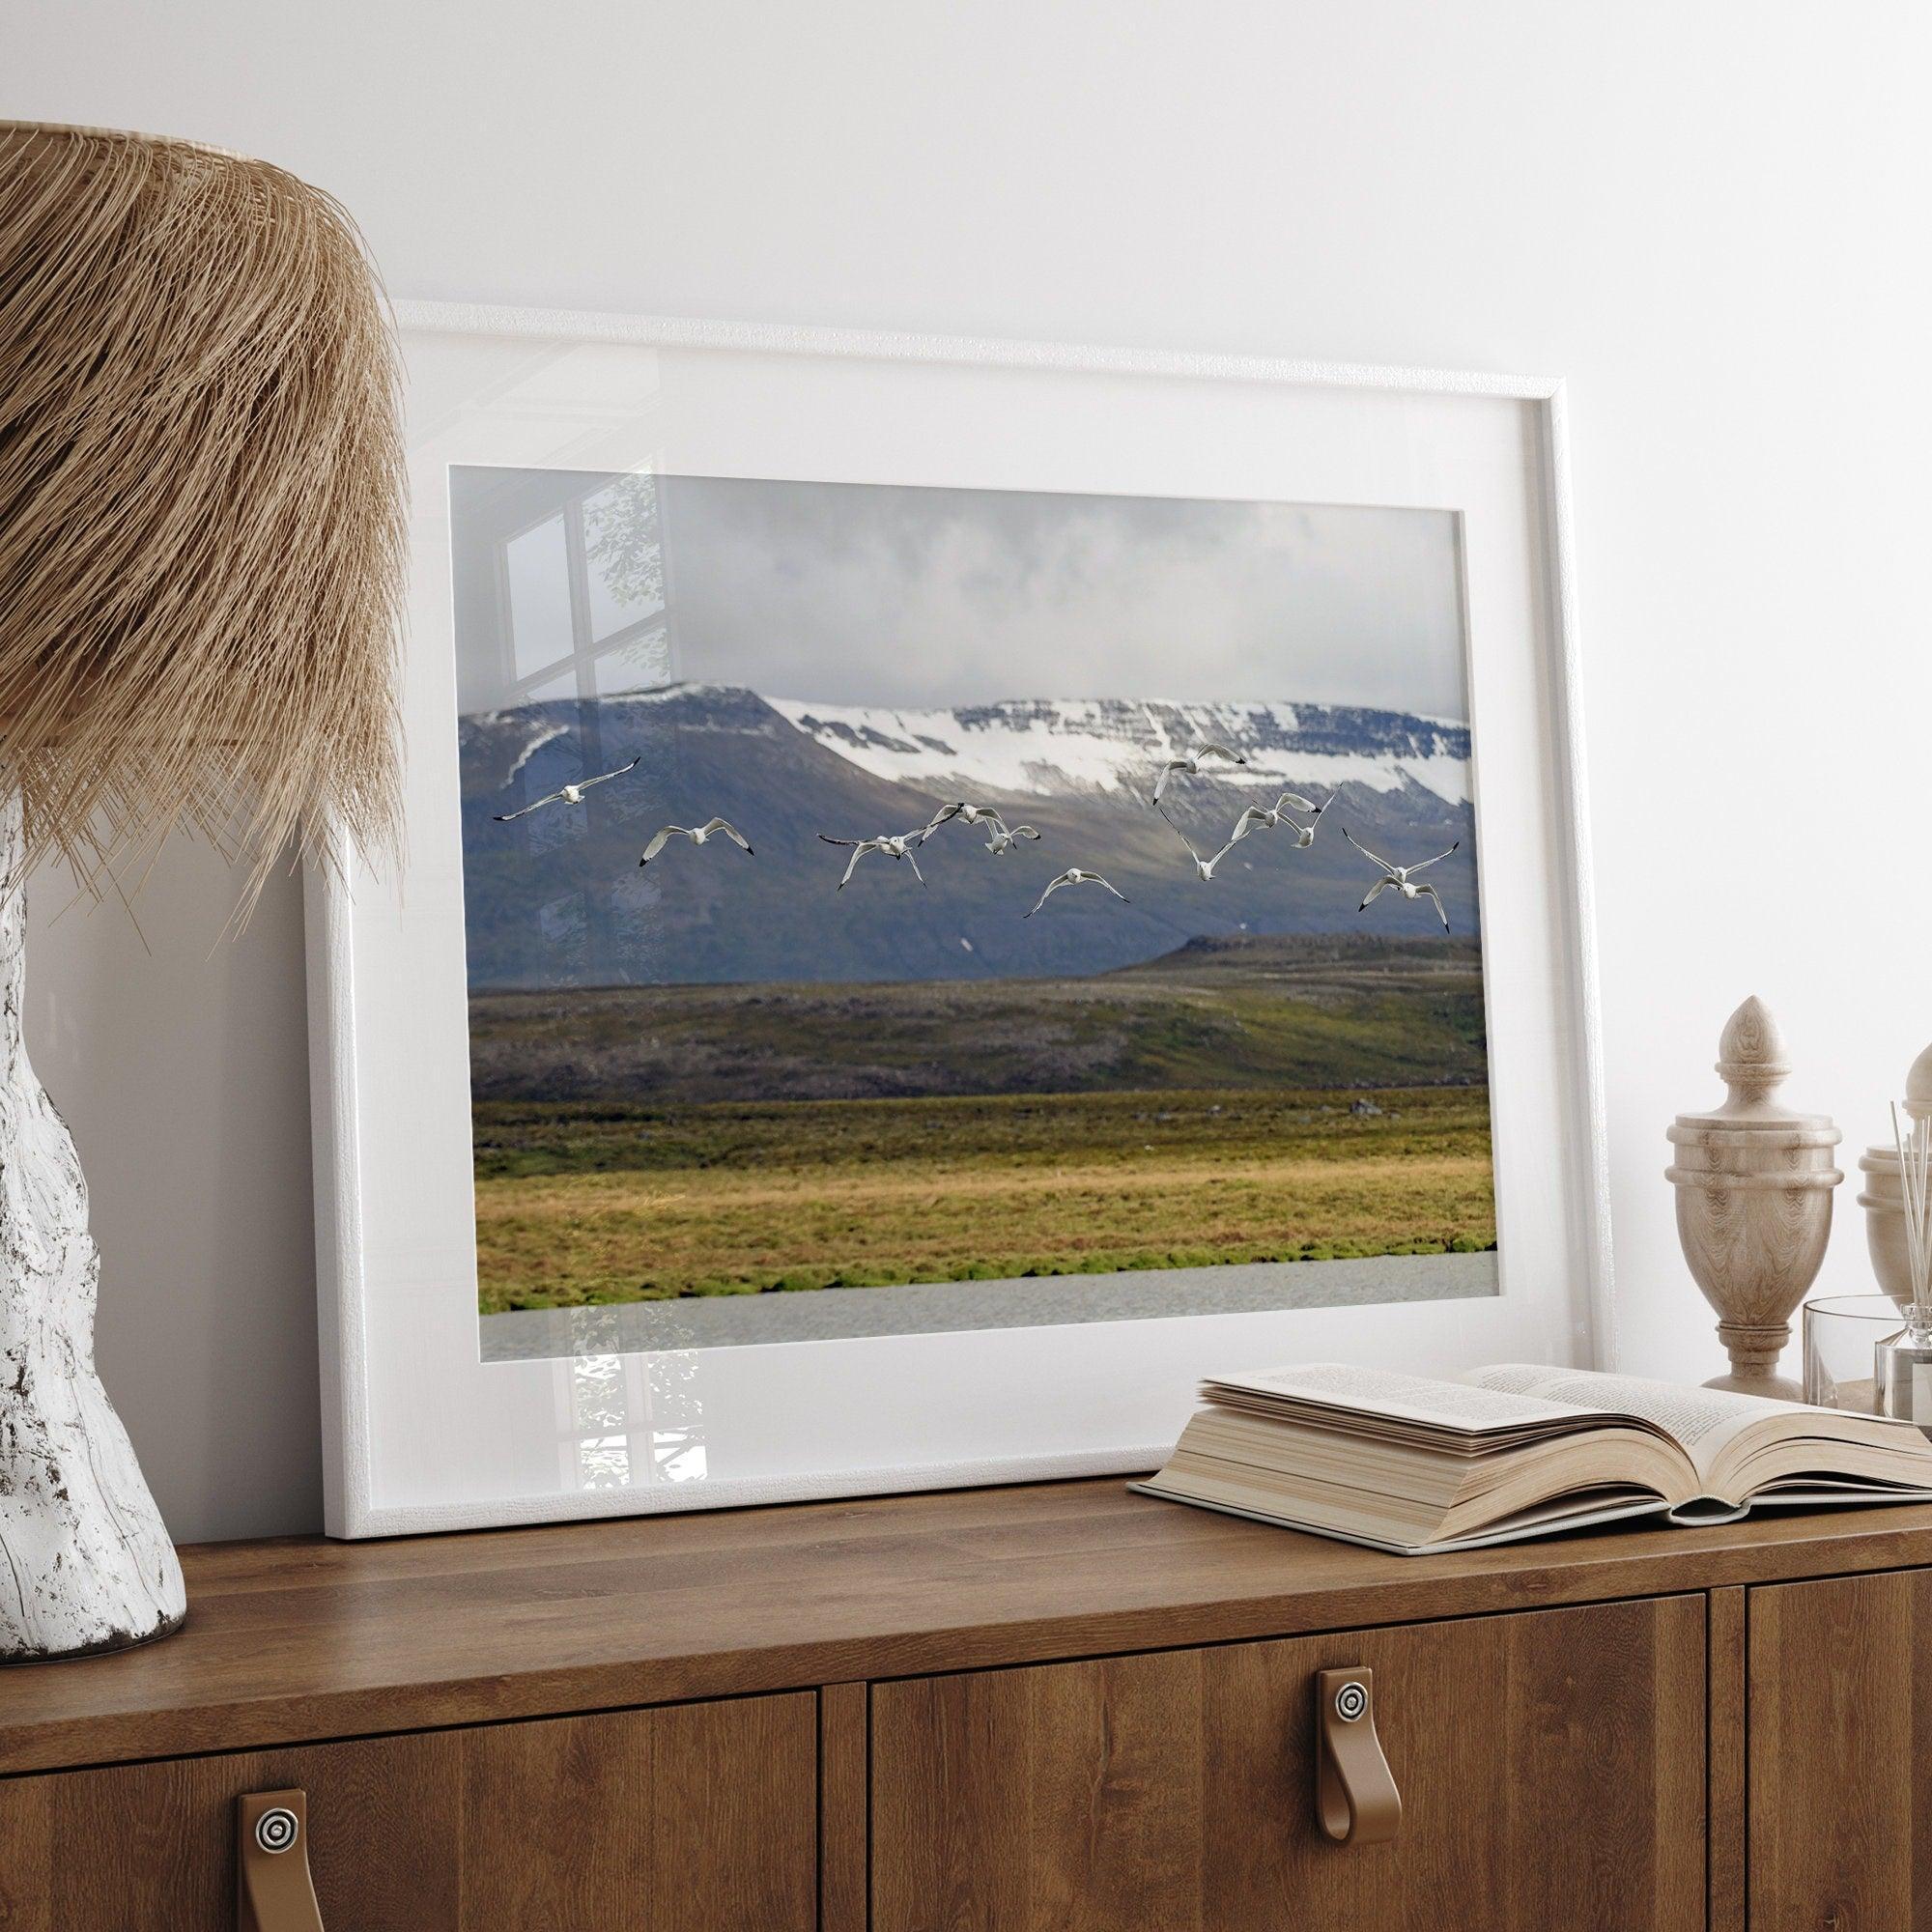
(1841, 1335)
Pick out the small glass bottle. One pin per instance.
(1902, 1367)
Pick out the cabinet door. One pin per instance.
(1840, 1702)
(693, 1818)
(1551, 1766)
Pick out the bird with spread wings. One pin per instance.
(697, 835)
(1400, 878)
(1265, 818)
(999, 837)
(1205, 866)
(1191, 764)
(1074, 875)
(570, 794)
(895, 845)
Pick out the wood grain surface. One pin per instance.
(1725, 1731)
(303, 1640)
(700, 1818)
(1551, 1765)
(1840, 1739)
(845, 1801)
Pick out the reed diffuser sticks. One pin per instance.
(1912, 1130)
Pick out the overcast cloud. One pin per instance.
(902, 596)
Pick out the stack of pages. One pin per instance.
(1406, 1463)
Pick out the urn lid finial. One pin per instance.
(1754, 1064)
(1918, 1087)
(1752, 1060)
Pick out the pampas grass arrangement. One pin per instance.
(201, 563)
(201, 506)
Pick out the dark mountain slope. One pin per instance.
(557, 898)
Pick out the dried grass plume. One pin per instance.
(202, 535)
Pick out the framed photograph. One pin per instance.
(953, 887)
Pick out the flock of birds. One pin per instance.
(1001, 837)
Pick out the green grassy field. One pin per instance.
(616, 1204)
(1250, 1101)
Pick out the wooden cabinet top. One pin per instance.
(302, 1639)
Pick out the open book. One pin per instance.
(1414, 1465)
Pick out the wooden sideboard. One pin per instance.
(998, 1710)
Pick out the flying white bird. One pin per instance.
(1401, 877)
(987, 817)
(1000, 840)
(966, 815)
(1192, 764)
(1074, 876)
(899, 847)
(697, 834)
(570, 794)
(1205, 866)
(1265, 818)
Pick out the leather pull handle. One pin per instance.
(1355, 1799)
(273, 1890)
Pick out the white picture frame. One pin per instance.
(420, 1433)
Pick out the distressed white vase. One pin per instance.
(85, 1561)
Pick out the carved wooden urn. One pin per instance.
(1754, 1185)
(1883, 1199)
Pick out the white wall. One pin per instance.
(1710, 218)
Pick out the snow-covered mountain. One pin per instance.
(557, 896)
(1057, 747)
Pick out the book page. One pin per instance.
(1459, 1405)
(1580, 1513)
(1703, 1421)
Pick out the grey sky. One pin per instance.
(858, 594)
(901, 596)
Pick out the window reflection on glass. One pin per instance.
(599, 1394)
(626, 1418)
(562, 925)
(604, 1462)
(635, 665)
(677, 1455)
(601, 1413)
(623, 555)
(563, 685)
(676, 1416)
(538, 567)
(548, 831)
